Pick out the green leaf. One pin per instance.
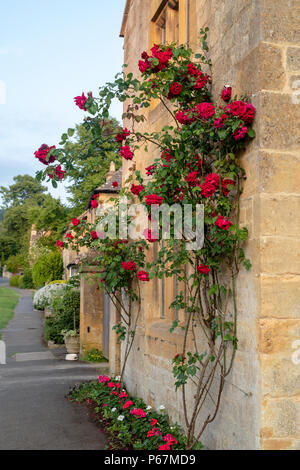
(251, 132)
(213, 290)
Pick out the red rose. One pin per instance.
(203, 269)
(162, 56)
(193, 70)
(186, 116)
(144, 55)
(144, 65)
(80, 101)
(126, 152)
(153, 422)
(60, 243)
(240, 133)
(245, 111)
(70, 236)
(57, 172)
(213, 178)
(223, 222)
(75, 221)
(248, 115)
(205, 110)
(122, 135)
(42, 152)
(94, 235)
(136, 188)
(192, 178)
(128, 266)
(201, 82)
(153, 199)
(225, 182)
(94, 203)
(143, 276)
(207, 189)
(167, 155)
(226, 93)
(175, 90)
(150, 169)
(218, 123)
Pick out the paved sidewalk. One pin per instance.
(34, 413)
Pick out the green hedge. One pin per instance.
(27, 279)
(48, 267)
(16, 281)
(63, 306)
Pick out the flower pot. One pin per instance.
(73, 344)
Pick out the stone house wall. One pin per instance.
(255, 48)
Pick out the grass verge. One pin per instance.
(8, 301)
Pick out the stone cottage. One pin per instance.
(94, 304)
(255, 48)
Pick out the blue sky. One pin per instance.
(51, 51)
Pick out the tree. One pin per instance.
(51, 217)
(26, 203)
(90, 161)
(25, 188)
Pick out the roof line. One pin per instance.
(125, 17)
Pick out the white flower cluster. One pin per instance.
(43, 297)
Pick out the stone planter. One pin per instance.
(73, 344)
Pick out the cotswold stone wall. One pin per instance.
(255, 48)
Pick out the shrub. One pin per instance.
(15, 281)
(43, 297)
(27, 279)
(65, 305)
(14, 262)
(47, 267)
(94, 355)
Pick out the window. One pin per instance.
(165, 22)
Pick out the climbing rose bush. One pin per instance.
(195, 161)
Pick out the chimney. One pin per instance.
(112, 170)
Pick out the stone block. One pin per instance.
(261, 69)
(280, 296)
(275, 174)
(278, 215)
(280, 444)
(280, 376)
(280, 418)
(277, 336)
(279, 255)
(279, 118)
(293, 59)
(280, 21)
